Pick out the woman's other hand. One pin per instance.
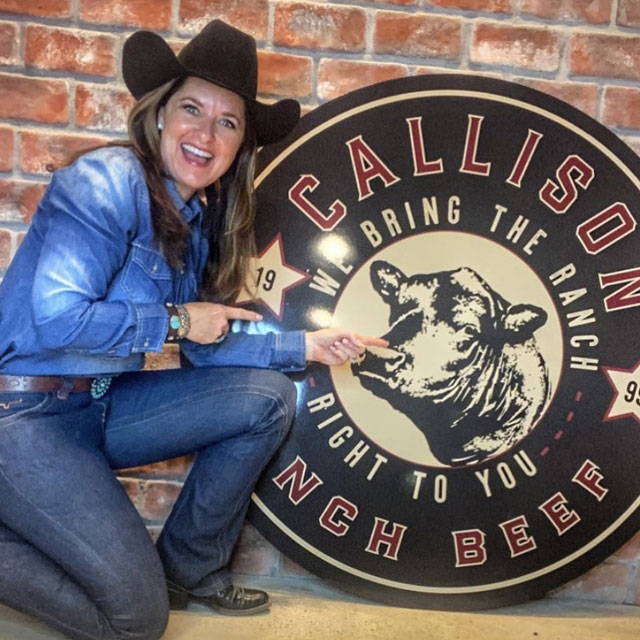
(336, 346)
(210, 321)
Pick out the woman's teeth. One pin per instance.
(197, 152)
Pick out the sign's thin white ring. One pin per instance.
(265, 173)
(442, 590)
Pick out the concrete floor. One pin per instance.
(305, 610)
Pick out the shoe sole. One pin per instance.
(179, 601)
(231, 612)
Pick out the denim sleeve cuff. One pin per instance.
(152, 325)
(290, 351)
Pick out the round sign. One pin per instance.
(488, 232)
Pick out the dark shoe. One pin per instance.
(178, 597)
(234, 601)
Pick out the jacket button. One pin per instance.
(146, 343)
(154, 268)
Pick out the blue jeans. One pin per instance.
(73, 550)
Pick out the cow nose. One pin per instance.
(390, 357)
(393, 362)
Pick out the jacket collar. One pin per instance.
(189, 209)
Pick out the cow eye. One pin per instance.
(405, 329)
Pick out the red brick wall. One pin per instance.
(62, 90)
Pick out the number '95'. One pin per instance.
(633, 392)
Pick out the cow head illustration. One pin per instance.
(463, 364)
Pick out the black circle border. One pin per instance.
(476, 598)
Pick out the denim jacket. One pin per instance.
(85, 294)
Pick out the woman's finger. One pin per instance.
(339, 357)
(351, 349)
(343, 352)
(235, 313)
(370, 341)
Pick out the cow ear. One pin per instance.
(521, 320)
(386, 279)
(473, 283)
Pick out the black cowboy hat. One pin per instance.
(220, 54)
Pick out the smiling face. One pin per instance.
(202, 128)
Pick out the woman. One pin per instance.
(123, 256)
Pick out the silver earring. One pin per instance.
(160, 126)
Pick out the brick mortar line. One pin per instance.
(564, 65)
(31, 178)
(15, 158)
(58, 128)
(512, 71)
(22, 43)
(90, 29)
(369, 31)
(315, 67)
(621, 131)
(600, 104)
(540, 24)
(70, 24)
(56, 74)
(467, 45)
(75, 10)
(25, 17)
(13, 245)
(118, 59)
(629, 596)
(71, 92)
(11, 225)
(174, 19)
(271, 24)
(614, 13)
(115, 83)
(162, 477)
(537, 21)
(633, 594)
(17, 153)
(435, 10)
(145, 482)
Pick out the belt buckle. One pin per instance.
(100, 386)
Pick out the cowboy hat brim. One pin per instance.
(148, 62)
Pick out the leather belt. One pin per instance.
(44, 384)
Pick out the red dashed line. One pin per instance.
(312, 382)
(560, 432)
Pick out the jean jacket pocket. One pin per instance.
(146, 276)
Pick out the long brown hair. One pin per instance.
(230, 211)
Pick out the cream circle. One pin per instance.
(360, 306)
